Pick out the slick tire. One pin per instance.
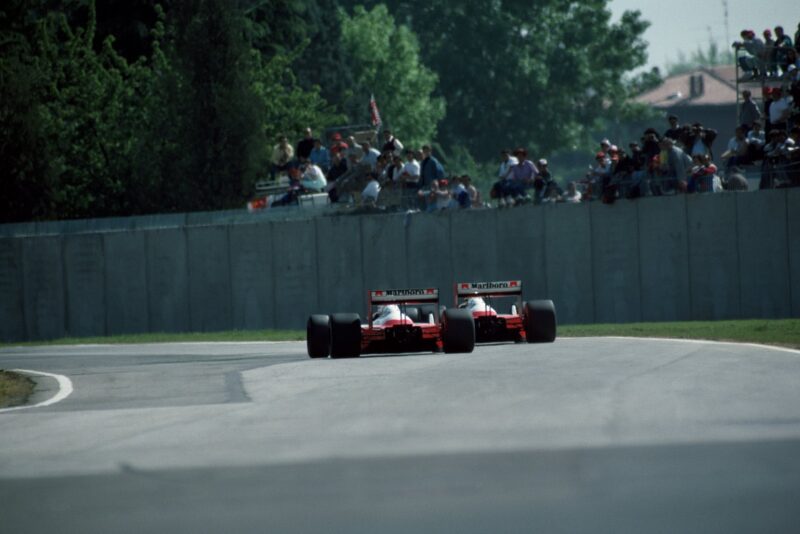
(458, 331)
(345, 335)
(540, 321)
(318, 336)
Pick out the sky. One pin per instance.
(685, 25)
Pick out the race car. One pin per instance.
(393, 326)
(533, 321)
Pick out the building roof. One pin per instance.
(704, 86)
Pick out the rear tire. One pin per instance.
(345, 335)
(540, 321)
(458, 331)
(318, 336)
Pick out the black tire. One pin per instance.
(345, 335)
(540, 321)
(318, 336)
(427, 309)
(413, 314)
(458, 331)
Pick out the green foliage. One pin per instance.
(87, 132)
(710, 57)
(519, 73)
(385, 62)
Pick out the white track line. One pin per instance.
(698, 341)
(64, 390)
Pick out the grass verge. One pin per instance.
(14, 389)
(782, 332)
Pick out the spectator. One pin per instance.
(338, 169)
(738, 151)
(320, 156)
(736, 181)
(752, 65)
(597, 175)
(772, 159)
(749, 111)
(430, 168)
(409, 177)
(395, 169)
(391, 144)
(703, 177)
(305, 145)
(755, 142)
(780, 109)
(673, 166)
(650, 143)
(797, 38)
(782, 46)
(770, 65)
(519, 177)
(699, 140)
(282, 155)
(461, 197)
(674, 130)
(436, 196)
(370, 155)
(339, 146)
(369, 196)
(313, 179)
(792, 153)
(543, 182)
(572, 196)
(506, 162)
(474, 194)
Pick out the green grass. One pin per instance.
(14, 389)
(162, 337)
(783, 332)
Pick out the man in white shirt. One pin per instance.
(370, 156)
(780, 109)
(313, 178)
(506, 162)
(736, 153)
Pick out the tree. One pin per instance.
(520, 73)
(386, 64)
(710, 57)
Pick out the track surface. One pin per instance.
(594, 435)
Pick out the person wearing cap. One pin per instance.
(752, 65)
(749, 112)
(338, 145)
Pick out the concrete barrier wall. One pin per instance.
(125, 262)
(655, 259)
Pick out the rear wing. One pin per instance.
(403, 296)
(507, 288)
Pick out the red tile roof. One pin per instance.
(718, 89)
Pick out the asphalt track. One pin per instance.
(583, 435)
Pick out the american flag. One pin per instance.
(374, 114)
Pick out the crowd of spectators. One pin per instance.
(357, 173)
(770, 57)
(679, 160)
